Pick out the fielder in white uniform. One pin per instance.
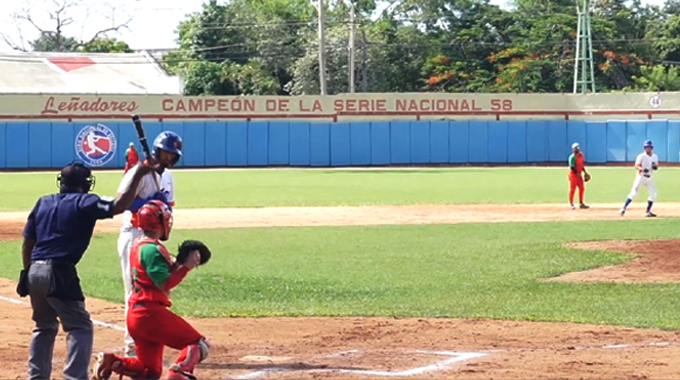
(167, 149)
(645, 163)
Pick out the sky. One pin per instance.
(152, 26)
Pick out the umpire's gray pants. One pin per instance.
(75, 321)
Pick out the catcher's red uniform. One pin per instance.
(150, 323)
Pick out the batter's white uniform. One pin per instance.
(129, 232)
(642, 162)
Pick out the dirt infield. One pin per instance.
(283, 348)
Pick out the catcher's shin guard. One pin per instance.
(193, 354)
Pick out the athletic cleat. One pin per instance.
(130, 351)
(174, 374)
(583, 206)
(106, 363)
(622, 211)
(650, 215)
(573, 207)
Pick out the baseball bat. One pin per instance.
(145, 145)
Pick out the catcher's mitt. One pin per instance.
(188, 246)
(586, 177)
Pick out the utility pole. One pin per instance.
(352, 44)
(583, 59)
(321, 7)
(364, 62)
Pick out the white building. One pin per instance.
(85, 73)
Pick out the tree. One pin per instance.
(657, 78)
(227, 78)
(106, 45)
(257, 46)
(52, 35)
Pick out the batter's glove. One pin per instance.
(654, 166)
(586, 177)
(188, 246)
(646, 171)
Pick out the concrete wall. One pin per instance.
(261, 143)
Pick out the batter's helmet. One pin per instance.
(648, 143)
(155, 215)
(169, 141)
(74, 175)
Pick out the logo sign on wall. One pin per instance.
(96, 144)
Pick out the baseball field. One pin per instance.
(389, 273)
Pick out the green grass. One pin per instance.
(463, 270)
(262, 188)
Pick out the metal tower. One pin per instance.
(584, 73)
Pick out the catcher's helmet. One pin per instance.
(168, 141)
(648, 143)
(75, 175)
(155, 215)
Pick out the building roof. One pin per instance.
(85, 73)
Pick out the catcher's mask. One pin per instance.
(156, 215)
(75, 175)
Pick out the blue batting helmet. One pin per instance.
(168, 141)
(648, 143)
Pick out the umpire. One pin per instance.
(57, 232)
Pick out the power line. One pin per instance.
(241, 51)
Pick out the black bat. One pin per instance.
(140, 133)
(145, 145)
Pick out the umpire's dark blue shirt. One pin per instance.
(62, 224)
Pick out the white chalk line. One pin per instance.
(94, 321)
(439, 366)
(581, 348)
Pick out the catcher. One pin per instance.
(151, 324)
(576, 166)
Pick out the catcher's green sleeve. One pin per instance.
(154, 263)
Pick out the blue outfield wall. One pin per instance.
(264, 143)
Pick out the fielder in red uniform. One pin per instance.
(150, 322)
(131, 157)
(576, 167)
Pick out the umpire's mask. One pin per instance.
(75, 175)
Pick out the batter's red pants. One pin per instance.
(153, 328)
(574, 182)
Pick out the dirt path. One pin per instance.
(12, 222)
(389, 347)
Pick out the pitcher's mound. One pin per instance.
(657, 261)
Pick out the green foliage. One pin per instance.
(55, 42)
(657, 78)
(106, 45)
(52, 42)
(227, 78)
(432, 45)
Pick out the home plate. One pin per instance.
(266, 359)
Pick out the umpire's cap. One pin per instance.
(75, 175)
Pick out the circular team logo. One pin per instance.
(96, 144)
(655, 101)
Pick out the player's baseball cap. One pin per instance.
(574, 146)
